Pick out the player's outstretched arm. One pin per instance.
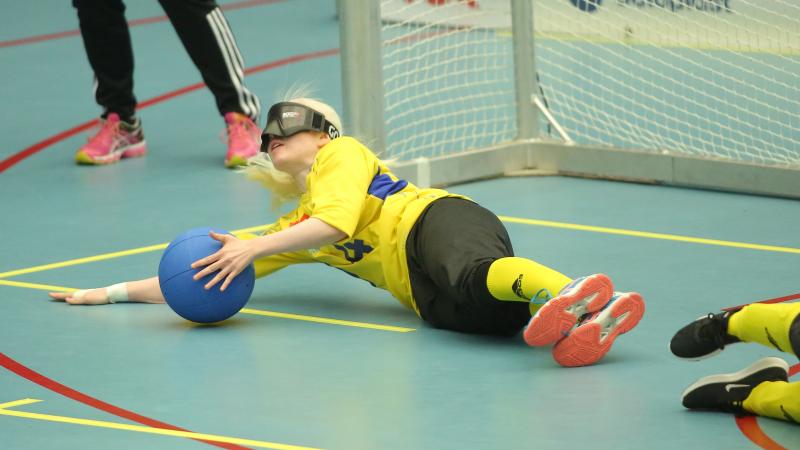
(142, 291)
(236, 254)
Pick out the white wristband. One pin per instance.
(117, 293)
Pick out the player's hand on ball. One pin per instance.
(229, 261)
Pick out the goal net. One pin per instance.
(708, 78)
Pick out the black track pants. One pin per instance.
(204, 33)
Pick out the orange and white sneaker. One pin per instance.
(554, 320)
(592, 338)
(116, 139)
(244, 139)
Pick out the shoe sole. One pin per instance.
(590, 342)
(131, 151)
(556, 318)
(762, 364)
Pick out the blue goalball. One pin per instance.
(188, 297)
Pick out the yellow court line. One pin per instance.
(346, 323)
(104, 256)
(24, 401)
(144, 429)
(41, 287)
(543, 223)
(88, 259)
(258, 312)
(644, 234)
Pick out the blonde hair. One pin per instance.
(282, 185)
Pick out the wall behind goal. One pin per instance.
(709, 78)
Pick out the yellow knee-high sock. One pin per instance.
(767, 324)
(776, 399)
(521, 280)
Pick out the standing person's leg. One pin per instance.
(108, 48)
(209, 41)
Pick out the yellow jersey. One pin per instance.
(349, 188)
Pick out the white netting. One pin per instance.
(715, 78)
(448, 87)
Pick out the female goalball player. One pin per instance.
(440, 254)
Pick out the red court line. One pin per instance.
(771, 300)
(19, 156)
(132, 23)
(41, 145)
(68, 392)
(749, 426)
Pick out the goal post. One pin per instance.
(362, 82)
(701, 93)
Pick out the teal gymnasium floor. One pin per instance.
(320, 359)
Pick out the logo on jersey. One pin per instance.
(354, 251)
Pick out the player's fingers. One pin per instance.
(207, 270)
(201, 262)
(218, 236)
(234, 271)
(220, 275)
(228, 280)
(77, 300)
(206, 261)
(76, 297)
(60, 296)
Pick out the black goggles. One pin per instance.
(286, 118)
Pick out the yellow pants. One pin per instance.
(770, 325)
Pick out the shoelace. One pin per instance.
(541, 297)
(241, 129)
(711, 330)
(107, 134)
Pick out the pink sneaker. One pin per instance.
(244, 139)
(592, 338)
(116, 139)
(558, 316)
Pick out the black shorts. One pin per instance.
(449, 251)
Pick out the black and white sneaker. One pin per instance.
(726, 392)
(702, 338)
